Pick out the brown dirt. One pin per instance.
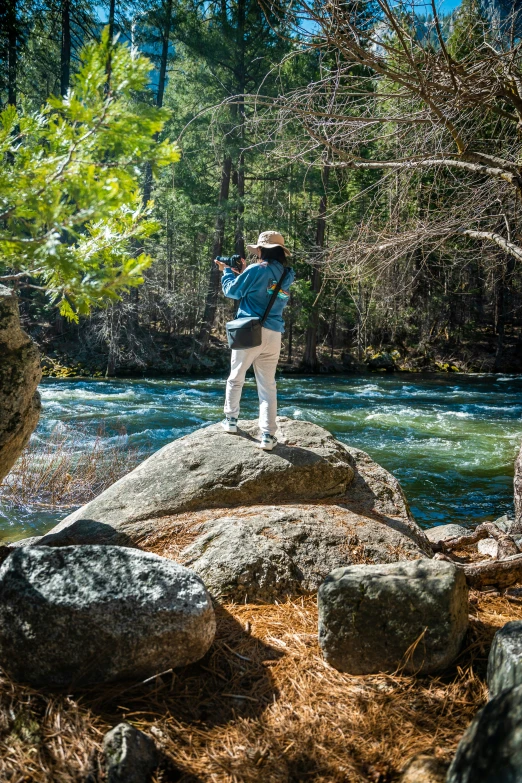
(261, 706)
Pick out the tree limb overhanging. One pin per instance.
(425, 103)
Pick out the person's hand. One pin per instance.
(222, 266)
(243, 266)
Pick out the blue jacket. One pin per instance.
(254, 287)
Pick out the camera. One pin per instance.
(234, 262)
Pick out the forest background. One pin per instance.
(240, 81)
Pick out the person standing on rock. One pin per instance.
(254, 286)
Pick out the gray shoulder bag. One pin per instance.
(246, 333)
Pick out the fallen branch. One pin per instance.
(485, 530)
(494, 573)
(506, 544)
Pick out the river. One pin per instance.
(451, 440)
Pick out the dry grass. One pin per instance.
(61, 472)
(261, 706)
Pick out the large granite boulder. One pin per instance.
(92, 614)
(266, 552)
(207, 469)
(491, 749)
(505, 659)
(20, 374)
(376, 618)
(210, 471)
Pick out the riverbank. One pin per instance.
(157, 355)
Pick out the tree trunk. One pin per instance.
(165, 40)
(12, 53)
(290, 331)
(503, 308)
(112, 15)
(114, 324)
(209, 314)
(240, 90)
(310, 360)
(517, 527)
(65, 51)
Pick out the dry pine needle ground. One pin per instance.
(261, 706)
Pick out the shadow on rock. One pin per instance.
(87, 531)
(232, 680)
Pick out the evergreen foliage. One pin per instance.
(222, 71)
(70, 202)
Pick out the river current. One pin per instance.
(451, 440)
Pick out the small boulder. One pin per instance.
(488, 546)
(504, 523)
(267, 552)
(376, 618)
(381, 361)
(444, 532)
(422, 768)
(505, 659)
(130, 755)
(93, 614)
(491, 749)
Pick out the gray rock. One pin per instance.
(504, 523)
(130, 755)
(207, 469)
(93, 614)
(488, 546)
(375, 618)
(267, 552)
(491, 749)
(30, 541)
(20, 374)
(422, 768)
(382, 361)
(443, 532)
(505, 659)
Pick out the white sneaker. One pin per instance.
(229, 424)
(267, 442)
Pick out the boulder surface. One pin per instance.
(376, 618)
(491, 749)
(92, 614)
(207, 469)
(444, 532)
(20, 374)
(265, 552)
(197, 474)
(505, 659)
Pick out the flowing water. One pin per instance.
(451, 440)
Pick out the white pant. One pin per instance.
(264, 358)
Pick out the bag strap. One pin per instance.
(273, 298)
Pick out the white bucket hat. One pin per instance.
(270, 239)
